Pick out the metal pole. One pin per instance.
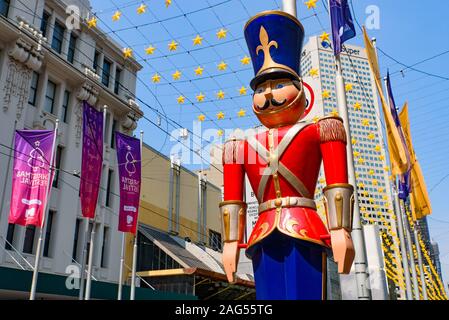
(421, 269)
(122, 259)
(289, 6)
(360, 261)
(134, 266)
(83, 260)
(41, 232)
(408, 284)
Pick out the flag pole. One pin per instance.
(122, 258)
(83, 259)
(133, 273)
(41, 232)
(289, 6)
(420, 264)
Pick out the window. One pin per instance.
(44, 22)
(50, 97)
(75, 240)
(33, 89)
(151, 257)
(50, 219)
(4, 7)
(96, 57)
(118, 75)
(104, 248)
(10, 236)
(108, 188)
(106, 72)
(58, 36)
(57, 166)
(65, 106)
(28, 244)
(214, 240)
(72, 48)
(114, 128)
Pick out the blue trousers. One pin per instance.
(286, 268)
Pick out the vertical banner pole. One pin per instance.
(122, 259)
(289, 6)
(83, 260)
(41, 232)
(133, 273)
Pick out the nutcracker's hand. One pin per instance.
(231, 254)
(343, 250)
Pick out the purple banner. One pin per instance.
(129, 168)
(92, 159)
(33, 151)
(342, 24)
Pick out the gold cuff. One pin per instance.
(233, 213)
(339, 202)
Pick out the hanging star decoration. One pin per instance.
(198, 40)
(387, 168)
(381, 157)
(167, 3)
(181, 99)
(365, 122)
(313, 72)
(311, 4)
(200, 97)
(176, 75)
(150, 50)
(371, 136)
(219, 132)
(315, 119)
(380, 190)
(361, 161)
(241, 113)
(353, 141)
(220, 94)
(334, 112)
(173, 45)
(357, 106)
(127, 53)
(348, 87)
(326, 94)
(324, 37)
(356, 154)
(377, 148)
(375, 182)
(199, 71)
(142, 8)
(361, 185)
(156, 78)
(242, 91)
(116, 16)
(245, 60)
(222, 66)
(220, 115)
(92, 22)
(201, 117)
(221, 34)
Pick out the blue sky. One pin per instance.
(410, 32)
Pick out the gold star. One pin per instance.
(221, 34)
(176, 75)
(242, 91)
(141, 9)
(377, 148)
(357, 175)
(127, 53)
(361, 161)
(313, 72)
(201, 117)
(92, 22)
(371, 172)
(316, 119)
(116, 16)
(245, 60)
(353, 141)
(348, 87)
(375, 182)
(200, 97)
(356, 154)
(387, 168)
(156, 78)
(219, 132)
(326, 94)
(385, 198)
(324, 36)
(222, 66)
(371, 136)
(199, 71)
(365, 122)
(366, 193)
(167, 3)
(381, 157)
(150, 50)
(241, 113)
(380, 190)
(322, 181)
(173, 45)
(181, 99)
(361, 185)
(311, 4)
(220, 115)
(357, 106)
(220, 94)
(198, 40)
(334, 112)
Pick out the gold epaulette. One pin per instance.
(332, 129)
(231, 151)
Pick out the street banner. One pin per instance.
(342, 24)
(33, 151)
(91, 159)
(129, 167)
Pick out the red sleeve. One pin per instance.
(233, 170)
(333, 149)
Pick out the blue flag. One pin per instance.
(342, 24)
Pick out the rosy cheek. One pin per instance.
(258, 99)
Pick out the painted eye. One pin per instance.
(259, 90)
(279, 86)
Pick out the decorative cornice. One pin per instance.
(26, 53)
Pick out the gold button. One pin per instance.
(278, 202)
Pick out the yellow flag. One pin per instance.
(398, 157)
(419, 198)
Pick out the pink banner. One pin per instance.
(129, 168)
(92, 160)
(33, 150)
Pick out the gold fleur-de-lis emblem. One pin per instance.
(265, 46)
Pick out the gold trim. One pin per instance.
(331, 117)
(159, 273)
(339, 208)
(240, 202)
(274, 12)
(227, 223)
(338, 185)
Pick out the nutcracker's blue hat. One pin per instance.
(275, 40)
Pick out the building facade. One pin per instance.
(47, 70)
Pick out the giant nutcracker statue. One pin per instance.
(289, 243)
